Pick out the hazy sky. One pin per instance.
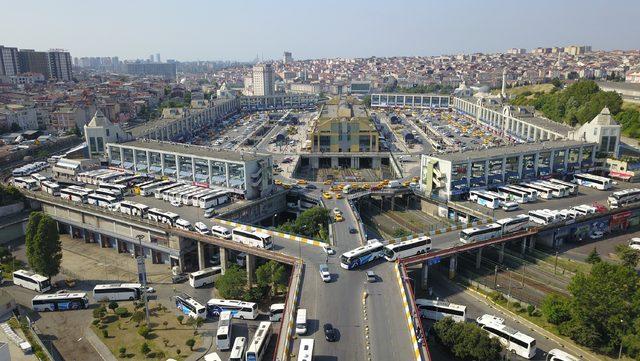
(238, 30)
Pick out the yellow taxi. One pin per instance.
(277, 182)
(327, 182)
(336, 188)
(301, 181)
(338, 195)
(385, 182)
(366, 186)
(415, 179)
(406, 183)
(326, 195)
(286, 186)
(338, 218)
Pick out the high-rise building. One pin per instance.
(60, 65)
(158, 58)
(151, 58)
(9, 61)
(165, 70)
(263, 79)
(288, 58)
(32, 61)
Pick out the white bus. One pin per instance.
(543, 217)
(411, 247)
(224, 334)
(169, 194)
(239, 309)
(130, 180)
(437, 310)
(193, 198)
(480, 233)
(74, 195)
(134, 209)
(203, 277)
(543, 192)
(593, 181)
(584, 209)
(484, 199)
(111, 193)
(186, 198)
(238, 349)
(32, 281)
(39, 178)
(624, 197)
(117, 188)
(514, 194)
(305, 353)
(25, 183)
(251, 238)
(558, 190)
(214, 199)
(515, 224)
(275, 312)
(191, 307)
(107, 177)
(573, 188)
(184, 225)
(258, 346)
(117, 292)
(513, 340)
(100, 200)
(158, 192)
(559, 355)
(148, 189)
(59, 302)
(221, 232)
(52, 188)
(531, 193)
(158, 215)
(361, 255)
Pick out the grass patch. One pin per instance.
(630, 106)
(534, 88)
(166, 338)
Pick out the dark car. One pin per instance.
(311, 186)
(179, 278)
(353, 230)
(330, 333)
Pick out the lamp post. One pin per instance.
(142, 274)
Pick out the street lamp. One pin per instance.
(142, 274)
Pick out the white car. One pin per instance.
(176, 203)
(510, 206)
(596, 234)
(635, 244)
(328, 250)
(324, 273)
(201, 228)
(209, 212)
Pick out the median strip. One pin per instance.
(407, 311)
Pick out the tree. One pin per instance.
(144, 331)
(367, 101)
(144, 348)
(628, 256)
(310, 223)
(43, 247)
(556, 309)
(400, 232)
(113, 305)
(76, 131)
(33, 252)
(190, 342)
(180, 318)
(466, 341)
(232, 283)
(593, 256)
(272, 275)
(137, 317)
(122, 350)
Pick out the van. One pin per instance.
(510, 206)
(301, 321)
(201, 228)
(275, 312)
(212, 357)
(184, 224)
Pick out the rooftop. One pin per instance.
(500, 152)
(192, 150)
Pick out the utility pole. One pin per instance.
(509, 299)
(142, 276)
(495, 278)
(556, 263)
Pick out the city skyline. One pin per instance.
(240, 32)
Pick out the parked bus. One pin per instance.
(573, 188)
(59, 302)
(559, 190)
(224, 334)
(624, 197)
(107, 177)
(361, 255)
(117, 292)
(593, 181)
(158, 192)
(116, 188)
(275, 312)
(480, 233)
(185, 198)
(191, 307)
(169, 194)
(514, 194)
(52, 188)
(25, 183)
(193, 198)
(543, 192)
(214, 199)
(513, 340)
(203, 277)
(32, 281)
(74, 195)
(100, 200)
(531, 193)
(411, 247)
(111, 193)
(543, 217)
(251, 238)
(258, 346)
(39, 178)
(148, 189)
(239, 309)
(437, 310)
(238, 349)
(305, 352)
(221, 232)
(515, 224)
(158, 215)
(130, 181)
(134, 209)
(484, 199)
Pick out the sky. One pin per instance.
(241, 30)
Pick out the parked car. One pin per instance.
(353, 230)
(596, 234)
(179, 278)
(634, 243)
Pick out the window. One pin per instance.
(612, 143)
(92, 145)
(100, 145)
(107, 130)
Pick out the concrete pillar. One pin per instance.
(532, 244)
(453, 266)
(223, 259)
(201, 255)
(524, 246)
(99, 240)
(478, 258)
(425, 275)
(393, 203)
(501, 253)
(251, 269)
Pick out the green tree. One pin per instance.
(593, 256)
(556, 309)
(272, 275)
(466, 341)
(43, 247)
(628, 256)
(180, 318)
(137, 317)
(76, 131)
(144, 348)
(311, 223)
(400, 232)
(232, 283)
(190, 342)
(33, 252)
(113, 305)
(187, 98)
(366, 100)
(123, 351)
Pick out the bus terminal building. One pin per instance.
(245, 174)
(453, 175)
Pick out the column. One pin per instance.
(223, 259)
(532, 244)
(251, 269)
(524, 246)
(453, 266)
(99, 240)
(201, 255)
(425, 275)
(501, 253)
(479, 258)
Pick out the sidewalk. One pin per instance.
(100, 347)
(206, 348)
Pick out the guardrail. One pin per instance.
(284, 344)
(409, 315)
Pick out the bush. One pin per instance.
(531, 309)
(95, 322)
(144, 331)
(190, 342)
(113, 305)
(122, 350)
(556, 309)
(254, 294)
(144, 348)
(180, 319)
(517, 305)
(98, 312)
(105, 333)
(122, 312)
(178, 351)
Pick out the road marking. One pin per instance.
(405, 304)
